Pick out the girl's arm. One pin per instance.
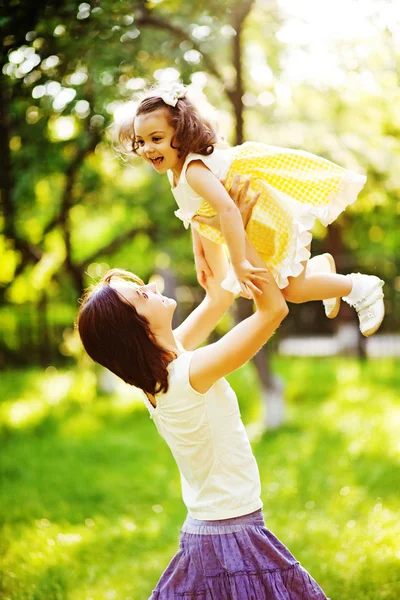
(204, 183)
(199, 324)
(214, 361)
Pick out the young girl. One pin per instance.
(225, 549)
(295, 189)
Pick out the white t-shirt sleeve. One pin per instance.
(181, 374)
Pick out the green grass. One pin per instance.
(90, 502)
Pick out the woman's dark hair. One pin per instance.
(193, 133)
(118, 338)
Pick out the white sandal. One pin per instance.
(369, 305)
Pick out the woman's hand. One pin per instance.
(241, 198)
(203, 270)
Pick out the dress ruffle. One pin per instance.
(293, 583)
(306, 214)
(295, 188)
(244, 562)
(291, 265)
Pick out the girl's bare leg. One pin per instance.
(316, 286)
(216, 258)
(324, 263)
(364, 292)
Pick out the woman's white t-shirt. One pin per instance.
(219, 474)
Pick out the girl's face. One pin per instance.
(153, 135)
(147, 300)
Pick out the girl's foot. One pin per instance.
(367, 298)
(325, 263)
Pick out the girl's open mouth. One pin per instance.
(157, 161)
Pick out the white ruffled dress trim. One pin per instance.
(349, 188)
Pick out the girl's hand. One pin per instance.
(202, 269)
(241, 198)
(247, 276)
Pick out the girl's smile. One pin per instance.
(153, 136)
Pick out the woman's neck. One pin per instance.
(167, 340)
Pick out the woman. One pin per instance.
(226, 552)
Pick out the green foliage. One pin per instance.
(71, 204)
(90, 501)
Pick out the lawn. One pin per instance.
(90, 502)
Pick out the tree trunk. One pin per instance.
(237, 93)
(5, 163)
(239, 15)
(272, 387)
(43, 331)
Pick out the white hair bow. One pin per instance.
(176, 91)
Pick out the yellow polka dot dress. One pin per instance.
(295, 187)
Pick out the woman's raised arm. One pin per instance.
(196, 328)
(216, 360)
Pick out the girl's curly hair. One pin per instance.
(193, 133)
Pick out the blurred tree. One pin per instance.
(67, 67)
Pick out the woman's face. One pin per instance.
(147, 300)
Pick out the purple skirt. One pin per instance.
(234, 559)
